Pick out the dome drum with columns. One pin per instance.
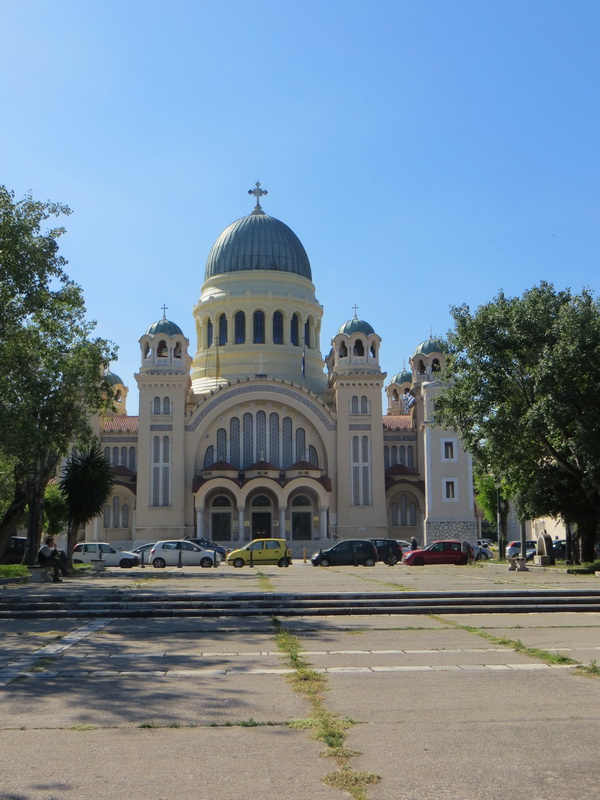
(252, 438)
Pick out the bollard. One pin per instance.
(251, 564)
(142, 555)
(179, 560)
(304, 555)
(215, 562)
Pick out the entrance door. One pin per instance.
(261, 524)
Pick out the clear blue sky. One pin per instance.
(428, 153)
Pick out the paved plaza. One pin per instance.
(154, 709)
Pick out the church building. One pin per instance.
(255, 434)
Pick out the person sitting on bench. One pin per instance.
(49, 556)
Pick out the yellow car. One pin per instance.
(262, 551)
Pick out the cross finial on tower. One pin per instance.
(258, 193)
(355, 307)
(164, 310)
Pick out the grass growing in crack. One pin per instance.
(83, 726)
(591, 670)
(265, 582)
(164, 725)
(513, 644)
(324, 725)
(41, 665)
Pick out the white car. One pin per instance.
(85, 552)
(482, 553)
(173, 552)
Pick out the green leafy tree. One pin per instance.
(523, 393)
(494, 503)
(55, 510)
(51, 370)
(87, 483)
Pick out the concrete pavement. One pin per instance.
(438, 711)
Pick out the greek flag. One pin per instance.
(304, 362)
(408, 400)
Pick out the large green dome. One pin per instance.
(402, 377)
(258, 242)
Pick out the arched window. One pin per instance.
(125, 517)
(359, 348)
(435, 365)
(106, 522)
(313, 457)
(364, 406)
(222, 330)
(412, 514)
(156, 406)
(107, 454)
(261, 500)
(209, 333)
(394, 514)
(177, 350)
(294, 331)
(343, 350)
(115, 456)
(287, 442)
(421, 367)
(394, 455)
(123, 456)
(278, 328)
(162, 350)
(147, 350)
(161, 471)
(410, 457)
(354, 405)
(118, 396)
(248, 436)
(132, 459)
(261, 436)
(115, 512)
(234, 442)
(300, 444)
(209, 458)
(221, 444)
(402, 455)
(259, 327)
(274, 439)
(166, 406)
(240, 327)
(373, 351)
(221, 502)
(220, 519)
(307, 333)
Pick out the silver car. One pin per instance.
(176, 552)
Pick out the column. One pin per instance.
(199, 523)
(281, 510)
(241, 534)
(323, 526)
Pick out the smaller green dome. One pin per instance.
(113, 379)
(429, 346)
(356, 326)
(402, 377)
(164, 326)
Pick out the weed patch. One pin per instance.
(265, 582)
(83, 726)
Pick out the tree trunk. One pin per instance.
(587, 530)
(13, 515)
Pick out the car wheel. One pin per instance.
(125, 563)
(462, 561)
(283, 562)
(392, 560)
(324, 562)
(159, 563)
(418, 562)
(206, 562)
(482, 557)
(369, 562)
(239, 562)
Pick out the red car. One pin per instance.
(446, 551)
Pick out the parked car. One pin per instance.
(486, 543)
(446, 551)
(349, 552)
(560, 548)
(262, 551)
(482, 553)
(514, 548)
(172, 552)
(15, 550)
(388, 551)
(206, 544)
(143, 551)
(94, 551)
(404, 544)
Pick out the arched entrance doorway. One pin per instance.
(261, 512)
(301, 512)
(220, 519)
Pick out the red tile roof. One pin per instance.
(393, 423)
(120, 423)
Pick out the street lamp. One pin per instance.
(501, 543)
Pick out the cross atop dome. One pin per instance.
(258, 193)
(164, 310)
(355, 307)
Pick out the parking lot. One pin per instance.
(429, 707)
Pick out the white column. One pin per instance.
(323, 531)
(282, 522)
(96, 526)
(199, 523)
(240, 523)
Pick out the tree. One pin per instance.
(87, 483)
(523, 386)
(51, 370)
(492, 500)
(55, 510)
